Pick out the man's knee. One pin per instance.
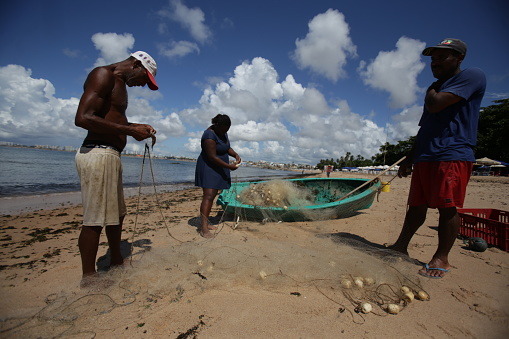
(448, 212)
(417, 214)
(113, 230)
(419, 210)
(91, 230)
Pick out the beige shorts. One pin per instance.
(100, 172)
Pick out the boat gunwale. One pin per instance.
(366, 192)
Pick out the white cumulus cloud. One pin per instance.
(253, 131)
(405, 123)
(327, 46)
(113, 47)
(29, 111)
(282, 121)
(192, 19)
(166, 125)
(178, 49)
(396, 72)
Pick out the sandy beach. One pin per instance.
(252, 280)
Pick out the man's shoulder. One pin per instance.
(476, 77)
(100, 76)
(101, 71)
(473, 72)
(473, 78)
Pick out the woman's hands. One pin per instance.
(236, 164)
(238, 160)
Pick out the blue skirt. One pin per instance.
(208, 175)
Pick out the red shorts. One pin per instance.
(439, 184)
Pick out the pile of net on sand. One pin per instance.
(276, 193)
(348, 274)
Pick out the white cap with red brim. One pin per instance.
(150, 65)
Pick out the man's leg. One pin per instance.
(206, 205)
(448, 227)
(88, 244)
(114, 235)
(415, 217)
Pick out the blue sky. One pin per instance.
(301, 80)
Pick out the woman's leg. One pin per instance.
(209, 194)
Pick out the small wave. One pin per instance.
(36, 189)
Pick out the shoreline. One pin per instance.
(13, 205)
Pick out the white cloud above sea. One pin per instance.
(192, 20)
(178, 49)
(396, 72)
(327, 46)
(284, 120)
(113, 47)
(29, 110)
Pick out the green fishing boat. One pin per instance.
(298, 199)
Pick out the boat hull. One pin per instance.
(327, 192)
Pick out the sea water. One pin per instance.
(30, 171)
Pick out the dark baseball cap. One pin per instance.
(455, 44)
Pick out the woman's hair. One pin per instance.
(221, 120)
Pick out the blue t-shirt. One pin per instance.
(451, 134)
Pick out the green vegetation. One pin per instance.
(388, 155)
(493, 132)
(492, 142)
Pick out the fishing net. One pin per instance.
(276, 193)
(298, 199)
(347, 272)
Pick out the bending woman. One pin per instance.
(213, 167)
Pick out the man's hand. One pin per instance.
(435, 86)
(153, 136)
(404, 169)
(141, 131)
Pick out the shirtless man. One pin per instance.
(101, 112)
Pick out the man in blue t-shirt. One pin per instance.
(443, 155)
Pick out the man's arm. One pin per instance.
(436, 101)
(405, 167)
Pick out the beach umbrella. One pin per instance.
(487, 161)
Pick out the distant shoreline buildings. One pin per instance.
(260, 163)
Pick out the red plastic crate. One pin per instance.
(489, 224)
